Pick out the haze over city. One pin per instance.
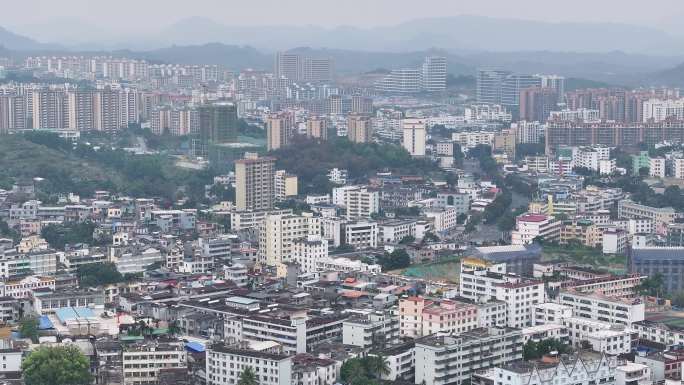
(84, 22)
(342, 193)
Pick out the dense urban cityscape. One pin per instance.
(331, 216)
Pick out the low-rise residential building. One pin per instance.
(583, 368)
(530, 226)
(225, 364)
(371, 330)
(661, 217)
(401, 360)
(361, 235)
(452, 359)
(602, 308)
(543, 332)
(143, 361)
(445, 218)
(396, 230)
(421, 317)
(483, 284)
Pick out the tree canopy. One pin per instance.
(98, 274)
(248, 377)
(59, 235)
(56, 365)
(28, 327)
(534, 350)
(653, 286)
(398, 259)
(364, 371)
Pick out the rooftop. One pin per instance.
(221, 348)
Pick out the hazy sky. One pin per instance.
(137, 15)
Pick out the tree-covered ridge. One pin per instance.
(68, 167)
(310, 160)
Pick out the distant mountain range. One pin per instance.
(16, 42)
(611, 53)
(460, 34)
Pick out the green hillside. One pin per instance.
(63, 172)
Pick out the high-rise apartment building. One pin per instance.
(554, 82)
(288, 65)
(49, 109)
(536, 104)
(254, 183)
(279, 130)
(174, 121)
(360, 202)
(657, 110)
(299, 68)
(511, 87)
(129, 106)
(415, 132)
(106, 110)
(528, 132)
(361, 105)
(81, 112)
(317, 127)
(335, 104)
(401, 81)
(434, 74)
(317, 70)
(489, 85)
(277, 234)
(613, 134)
(307, 252)
(359, 128)
(218, 122)
(12, 113)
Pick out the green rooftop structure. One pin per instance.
(640, 161)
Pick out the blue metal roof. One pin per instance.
(44, 323)
(195, 347)
(68, 313)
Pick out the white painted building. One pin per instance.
(584, 368)
(601, 308)
(346, 265)
(306, 252)
(225, 364)
(528, 132)
(361, 235)
(469, 140)
(445, 218)
(395, 230)
(678, 168)
(142, 361)
(657, 110)
(539, 333)
(277, 234)
(530, 226)
(656, 167)
(359, 201)
(521, 295)
(615, 241)
(451, 359)
(337, 176)
(550, 312)
(374, 329)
